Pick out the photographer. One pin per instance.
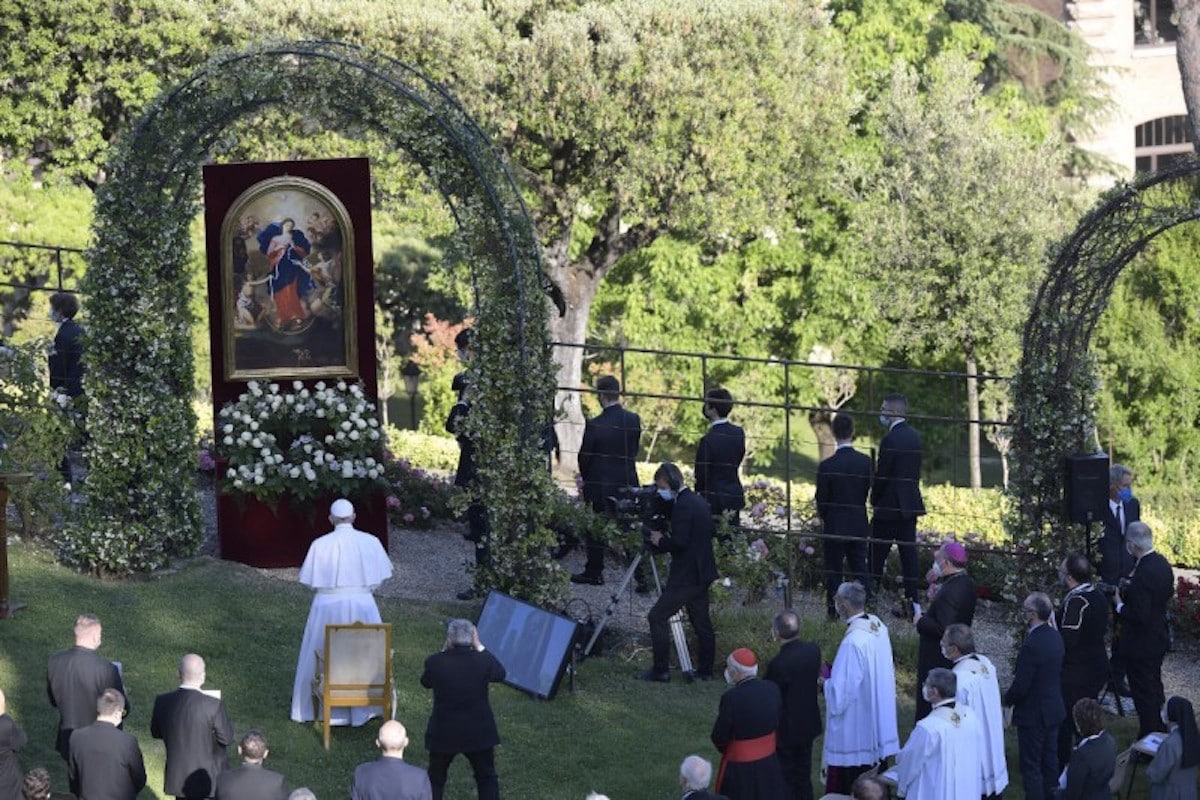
(1083, 622)
(693, 569)
(1142, 607)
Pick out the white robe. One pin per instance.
(343, 566)
(860, 697)
(940, 760)
(979, 690)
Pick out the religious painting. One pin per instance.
(287, 283)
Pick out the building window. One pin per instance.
(1161, 142)
(1154, 22)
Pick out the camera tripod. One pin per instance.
(676, 620)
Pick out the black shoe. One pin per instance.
(466, 594)
(585, 578)
(654, 677)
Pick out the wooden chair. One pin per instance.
(354, 670)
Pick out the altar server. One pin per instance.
(941, 758)
(979, 690)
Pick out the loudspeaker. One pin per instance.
(1086, 495)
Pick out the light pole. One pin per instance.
(412, 381)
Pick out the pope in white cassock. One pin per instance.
(860, 694)
(940, 760)
(343, 567)
(979, 690)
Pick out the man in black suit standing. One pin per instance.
(695, 774)
(76, 677)
(1082, 622)
(195, 728)
(843, 482)
(795, 671)
(896, 499)
(1123, 509)
(462, 719)
(953, 604)
(693, 569)
(1036, 698)
(719, 458)
(746, 731)
(252, 781)
(105, 763)
(607, 462)
(66, 355)
(466, 475)
(1142, 608)
(390, 777)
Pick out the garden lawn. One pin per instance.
(613, 734)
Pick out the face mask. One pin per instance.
(946, 654)
(883, 420)
(704, 413)
(937, 569)
(1164, 716)
(728, 677)
(926, 694)
(54, 316)
(1125, 494)
(666, 494)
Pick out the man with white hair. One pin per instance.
(746, 732)
(941, 757)
(195, 729)
(695, 773)
(860, 694)
(1142, 609)
(390, 777)
(979, 690)
(343, 567)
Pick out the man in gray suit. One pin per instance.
(391, 777)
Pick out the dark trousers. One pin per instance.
(1073, 691)
(483, 763)
(594, 566)
(1038, 748)
(477, 529)
(839, 780)
(854, 555)
(902, 533)
(796, 762)
(695, 600)
(1146, 686)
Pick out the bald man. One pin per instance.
(391, 777)
(195, 728)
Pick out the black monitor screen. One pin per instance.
(531, 643)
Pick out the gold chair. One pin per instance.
(354, 670)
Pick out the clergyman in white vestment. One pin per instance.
(343, 568)
(860, 694)
(979, 690)
(940, 760)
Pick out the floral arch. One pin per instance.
(141, 508)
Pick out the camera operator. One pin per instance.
(1142, 606)
(688, 539)
(1083, 622)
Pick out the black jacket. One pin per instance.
(1036, 691)
(66, 360)
(953, 604)
(105, 763)
(843, 483)
(466, 447)
(690, 542)
(1115, 561)
(896, 492)
(1144, 614)
(1083, 623)
(251, 782)
(12, 739)
(390, 779)
(462, 719)
(795, 671)
(749, 710)
(75, 679)
(608, 453)
(1091, 768)
(718, 460)
(196, 730)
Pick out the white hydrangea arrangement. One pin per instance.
(302, 443)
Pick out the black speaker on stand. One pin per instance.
(1086, 492)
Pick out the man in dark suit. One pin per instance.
(607, 462)
(467, 473)
(719, 458)
(896, 499)
(391, 777)
(1142, 608)
(953, 603)
(1083, 623)
(843, 482)
(795, 671)
(746, 731)
(195, 728)
(693, 569)
(1123, 509)
(1036, 698)
(104, 763)
(462, 719)
(66, 356)
(12, 739)
(76, 677)
(695, 774)
(252, 781)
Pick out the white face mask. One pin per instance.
(1163, 714)
(928, 695)
(937, 569)
(728, 677)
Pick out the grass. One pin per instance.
(612, 734)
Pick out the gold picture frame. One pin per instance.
(288, 283)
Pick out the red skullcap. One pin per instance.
(744, 657)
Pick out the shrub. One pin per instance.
(1186, 607)
(416, 497)
(426, 451)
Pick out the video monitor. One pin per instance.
(534, 645)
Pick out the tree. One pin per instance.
(1187, 52)
(957, 220)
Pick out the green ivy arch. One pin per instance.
(141, 508)
(1055, 387)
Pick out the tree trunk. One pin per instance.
(822, 427)
(1187, 52)
(579, 288)
(973, 427)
